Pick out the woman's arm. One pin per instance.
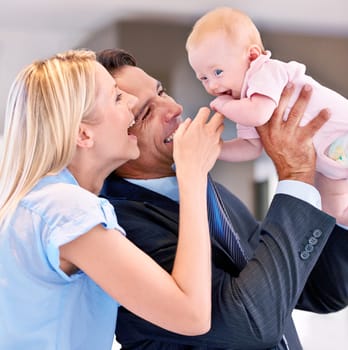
(180, 302)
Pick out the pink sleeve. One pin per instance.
(269, 80)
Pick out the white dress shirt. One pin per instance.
(168, 186)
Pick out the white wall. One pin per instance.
(322, 332)
(20, 48)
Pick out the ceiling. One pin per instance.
(31, 29)
(84, 15)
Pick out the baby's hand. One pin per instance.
(218, 103)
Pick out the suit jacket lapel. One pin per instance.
(118, 189)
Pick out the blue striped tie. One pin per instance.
(221, 227)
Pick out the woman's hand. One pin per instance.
(197, 143)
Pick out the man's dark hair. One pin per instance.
(113, 59)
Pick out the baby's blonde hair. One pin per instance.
(45, 107)
(234, 23)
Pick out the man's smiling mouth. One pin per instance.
(169, 139)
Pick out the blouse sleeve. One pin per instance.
(73, 213)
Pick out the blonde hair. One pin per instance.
(46, 104)
(235, 24)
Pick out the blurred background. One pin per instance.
(312, 32)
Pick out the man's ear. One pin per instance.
(254, 52)
(85, 137)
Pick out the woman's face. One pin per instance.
(113, 115)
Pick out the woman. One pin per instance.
(65, 263)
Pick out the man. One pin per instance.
(292, 252)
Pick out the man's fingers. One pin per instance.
(278, 113)
(316, 123)
(298, 109)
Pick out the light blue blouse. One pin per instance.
(40, 306)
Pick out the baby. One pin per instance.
(226, 52)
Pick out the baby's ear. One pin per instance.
(254, 52)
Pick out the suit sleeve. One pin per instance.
(249, 310)
(327, 287)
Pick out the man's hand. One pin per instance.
(289, 145)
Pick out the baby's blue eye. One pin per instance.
(218, 72)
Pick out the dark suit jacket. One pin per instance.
(251, 310)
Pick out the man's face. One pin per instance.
(157, 116)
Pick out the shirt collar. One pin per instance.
(166, 186)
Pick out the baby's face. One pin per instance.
(219, 65)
